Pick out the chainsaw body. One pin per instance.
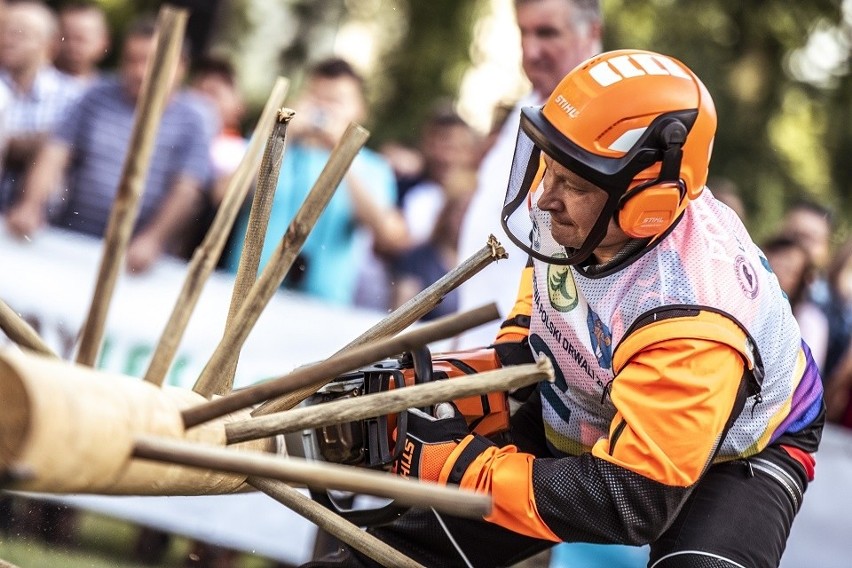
(371, 443)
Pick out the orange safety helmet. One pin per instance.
(638, 124)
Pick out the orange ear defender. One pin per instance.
(649, 211)
(650, 208)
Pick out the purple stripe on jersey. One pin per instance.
(807, 399)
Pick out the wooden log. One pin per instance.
(320, 373)
(67, 428)
(206, 256)
(402, 317)
(285, 253)
(321, 475)
(342, 529)
(261, 208)
(394, 400)
(20, 332)
(149, 110)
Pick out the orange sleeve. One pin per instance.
(506, 474)
(674, 397)
(512, 329)
(678, 383)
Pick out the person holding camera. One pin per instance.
(362, 210)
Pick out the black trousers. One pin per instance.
(739, 514)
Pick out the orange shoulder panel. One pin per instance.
(674, 397)
(522, 307)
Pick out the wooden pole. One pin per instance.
(221, 383)
(402, 317)
(152, 101)
(322, 372)
(427, 299)
(394, 400)
(285, 253)
(21, 332)
(207, 254)
(333, 524)
(321, 475)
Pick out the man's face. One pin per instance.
(134, 61)
(552, 43)
(574, 205)
(25, 38)
(84, 39)
(329, 104)
(812, 231)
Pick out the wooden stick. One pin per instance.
(322, 372)
(152, 101)
(21, 332)
(333, 524)
(222, 382)
(207, 254)
(402, 317)
(285, 253)
(4, 564)
(426, 300)
(315, 474)
(395, 400)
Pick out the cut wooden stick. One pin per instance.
(221, 383)
(314, 474)
(149, 110)
(20, 332)
(427, 299)
(387, 402)
(285, 253)
(322, 372)
(402, 317)
(337, 526)
(207, 254)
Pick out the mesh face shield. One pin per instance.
(526, 224)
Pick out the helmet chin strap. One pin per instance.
(596, 236)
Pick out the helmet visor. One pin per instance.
(527, 225)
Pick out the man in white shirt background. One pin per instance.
(556, 35)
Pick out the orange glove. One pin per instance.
(430, 441)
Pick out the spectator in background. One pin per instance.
(838, 372)
(91, 144)
(84, 40)
(334, 253)
(215, 80)
(39, 94)
(407, 164)
(556, 35)
(434, 207)
(838, 310)
(812, 225)
(793, 267)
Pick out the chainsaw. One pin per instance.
(377, 442)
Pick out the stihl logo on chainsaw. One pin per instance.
(406, 459)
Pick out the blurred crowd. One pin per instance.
(396, 222)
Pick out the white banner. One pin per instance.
(49, 281)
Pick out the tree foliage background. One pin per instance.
(777, 69)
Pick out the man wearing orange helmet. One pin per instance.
(686, 407)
